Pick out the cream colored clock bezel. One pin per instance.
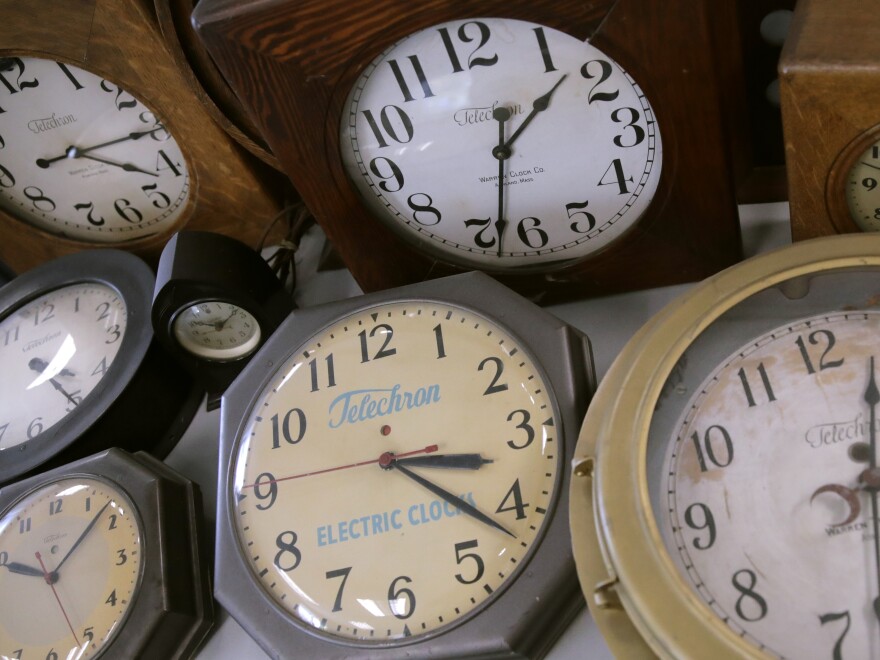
(641, 604)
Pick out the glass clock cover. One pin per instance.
(84, 158)
(70, 552)
(396, 472)
(501, 144)
(55, 349)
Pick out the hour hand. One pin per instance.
(22, 569)
(449, 461)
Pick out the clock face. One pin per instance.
(765, 496)
(217, 330)
(84, 158)
(395, 473)
(70, 551)
(863, 189)
(55, 350)
(501, 144)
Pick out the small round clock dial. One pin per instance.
(396, 472)
(84, 158)
(768, 482)
(55, 350)
(70, 552)
(501, 144)
(863, 189)
(217, 330)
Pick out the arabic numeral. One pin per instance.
(837, 654)
(638, 131)
(89, 207)
(705, 521)
(120, 100)
(604, 73)
(395, 123)
(532, 236)
(127, 212)
(401, 79)
(420, 209)
(282, 429)
(483, 33)
(39, 199)
(394, 174)
(707, 449)
(285, 548)
(6, 178)
(816, 338)
(402, 601)
(750, 606)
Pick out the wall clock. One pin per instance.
(724, 502)
(80, 367)
(206, 80)
(829, 87)
(215, 302)
(432, 423)
(106, 557)
(103, 143)
(451, 136)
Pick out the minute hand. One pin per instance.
(539, 105)
(454, 500)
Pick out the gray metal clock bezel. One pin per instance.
(527, 615)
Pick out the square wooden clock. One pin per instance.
(567, 148)
(830, 92)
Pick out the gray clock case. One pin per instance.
(524, 618)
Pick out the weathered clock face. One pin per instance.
(766, 498)
(70, 552)
(395, 473)
(55, 350)
(501, 144)
(84, 158)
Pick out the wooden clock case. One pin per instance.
(830, 89)
(231, 192)
(293, 62)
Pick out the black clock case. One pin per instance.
(535, 606)
(198, 266)
(173, 609)
(145, 401)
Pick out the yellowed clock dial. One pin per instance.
(396, 472)
(70, 552)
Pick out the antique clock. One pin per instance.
(80, 364)
(566, 148)
(830, 89)
(725, 491)
(103, 144)
(215, 302)
(433, 425)
(107, 558)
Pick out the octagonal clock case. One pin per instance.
(106, 557)
(393, 473)
(80, 369)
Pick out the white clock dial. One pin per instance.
(767, 505)
(70, 552)
(863, 189)
(396, 472)
(55, 350)
(217, 330)
(84, 158)
(501, 144)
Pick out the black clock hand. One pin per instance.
(444, 494)
(23, 569)
(872, 398)
(128, 167)
(540, 104)
(38, 365)
(502, 153)
(449, 461)
(82, 536)
(76, 152)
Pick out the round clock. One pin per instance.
(75, 344)
(853, 187)
(85, 551)
(501, 144)
(215, 302)
(84, 158)
(726, 492)
(434, 436)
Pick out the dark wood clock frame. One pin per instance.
(293, 62)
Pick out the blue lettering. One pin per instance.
(359, 405)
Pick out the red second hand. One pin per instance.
(48, 578)
(427, 450)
